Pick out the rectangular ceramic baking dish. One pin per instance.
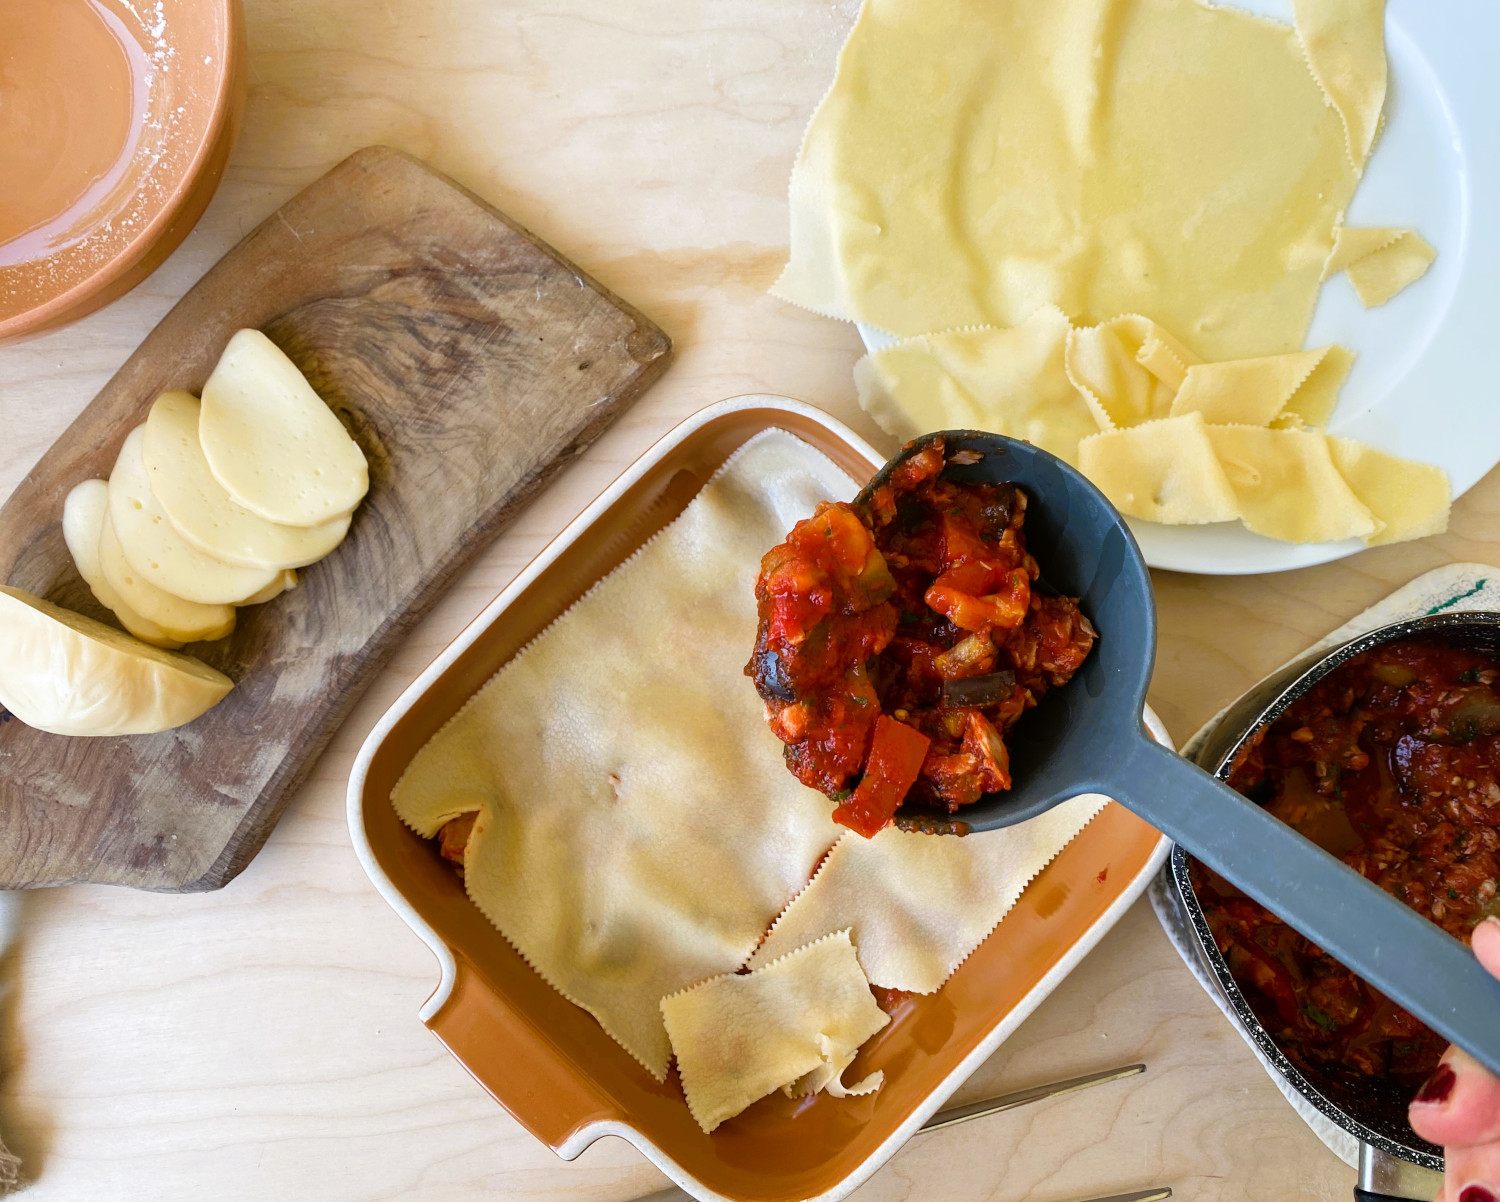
(547, 1061)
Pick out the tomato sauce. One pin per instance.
(1392, 763)
(900, 640)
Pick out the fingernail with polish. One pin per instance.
(1437, 1089)
(1476, 1193)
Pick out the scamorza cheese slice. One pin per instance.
(798, 1019)
(284, 582)
(637, 828)
(84, 513)
(157, 552)
(917, 905)
(185, 621)
(273, 443)
(70, 675)
(207, 516)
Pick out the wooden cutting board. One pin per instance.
(469, 361)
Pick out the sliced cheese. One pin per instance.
(70, 675)
(207, 516)
(272, 442)
(84, 514)
(282, 584)
(158, 553)
(187, 621)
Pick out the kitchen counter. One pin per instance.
(262, 1042)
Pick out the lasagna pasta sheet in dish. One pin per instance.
(637, 832)
(917, 905)
(794, 1024)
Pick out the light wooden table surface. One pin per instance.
(262, 1042)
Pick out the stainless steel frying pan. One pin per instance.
(1375, 1112)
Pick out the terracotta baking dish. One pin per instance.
(548, 1062)
(100, 207)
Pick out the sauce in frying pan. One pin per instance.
(1392, 763)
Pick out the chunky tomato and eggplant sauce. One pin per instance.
(1392, 763)
(901, 638)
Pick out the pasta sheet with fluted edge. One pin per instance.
(797, 1021)
(974, 161)
(917, 905)
(637, 830)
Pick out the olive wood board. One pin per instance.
(469, 361)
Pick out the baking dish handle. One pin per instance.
(518, 1065)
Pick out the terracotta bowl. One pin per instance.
(118, 122)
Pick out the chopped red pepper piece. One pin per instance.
(896, 756)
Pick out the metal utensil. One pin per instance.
(955, 1115)
(1087, 737)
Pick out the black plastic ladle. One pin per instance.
(1088, 737)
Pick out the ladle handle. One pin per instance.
(1396, 950)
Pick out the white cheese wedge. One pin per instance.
(272, 442)
(180, 619)
(70, 675)
(158, 553)
(282, 584)
(84, 514)
(207, 516)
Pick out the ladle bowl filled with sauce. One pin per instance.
(116, 122)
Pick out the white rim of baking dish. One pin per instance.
(585, 1136)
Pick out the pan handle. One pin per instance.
(1398, 951)
(1364, 1195)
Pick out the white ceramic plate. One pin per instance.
(1423, 386)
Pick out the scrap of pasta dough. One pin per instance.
(1379, 262)
(1408, 499)
(1314, 400)
(974, 161)
(1008, 381)
(739, 1037)
(1162, 471)
(1128, 369)
(1345, 44)
(1255, 392)
(918, 904)
(1287, 486)
(638, 831)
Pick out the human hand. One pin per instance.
(1459, 1106)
